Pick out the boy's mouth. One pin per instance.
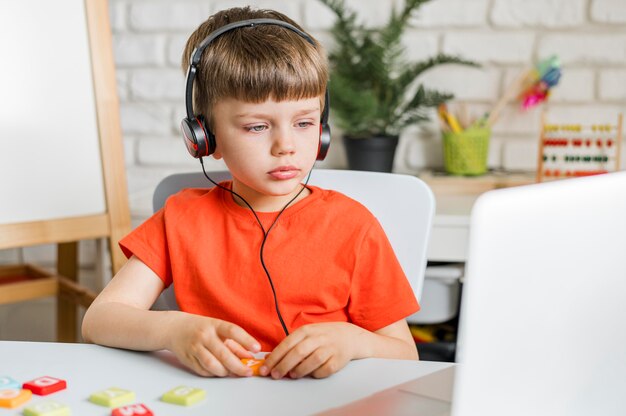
(284, 172)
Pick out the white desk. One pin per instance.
(91, 368)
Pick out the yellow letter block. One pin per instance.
(112, 397)
(48, 408)
(11, 398)
(184, 395)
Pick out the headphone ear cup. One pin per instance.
(198, 140)
(210, 137)
(324, 141)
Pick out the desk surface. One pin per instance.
(91, 368)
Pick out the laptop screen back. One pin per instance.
(543, 323)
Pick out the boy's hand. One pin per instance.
(316, 349)
(212, 347)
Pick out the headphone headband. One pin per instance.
(198, 149)
(197, 53)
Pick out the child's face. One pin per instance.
(269, 147)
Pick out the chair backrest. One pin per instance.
(403, 204)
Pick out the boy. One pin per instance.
(262, 246)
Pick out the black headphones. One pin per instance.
(200, 141)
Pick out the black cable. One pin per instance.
(265, 234)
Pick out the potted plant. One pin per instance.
(373, 93)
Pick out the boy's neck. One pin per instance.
(271, 203)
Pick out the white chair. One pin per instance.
(403, 204)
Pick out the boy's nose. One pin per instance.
(283, 143)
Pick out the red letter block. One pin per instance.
(138, 409)
(45, 385)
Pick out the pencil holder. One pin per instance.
(465, 153)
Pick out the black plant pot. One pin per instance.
(373, 154)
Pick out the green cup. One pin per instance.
(465, 153)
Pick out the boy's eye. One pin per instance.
(304, 124)
(256, 128)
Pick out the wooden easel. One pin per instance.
(24, 282)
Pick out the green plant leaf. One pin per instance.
(371, 80)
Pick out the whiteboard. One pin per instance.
(50, 161)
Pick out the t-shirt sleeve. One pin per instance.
(148, 242)
(381, 293)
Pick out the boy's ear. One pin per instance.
(217, 155)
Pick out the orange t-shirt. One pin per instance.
(328, 257)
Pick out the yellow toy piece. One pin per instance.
(184, 395)
(12, 398)
(112, 397)
(254, 363)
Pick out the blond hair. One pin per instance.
(254, 64)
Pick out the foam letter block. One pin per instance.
(11, 398)
(7, 382)
(184, 395)
(47, 408)
(254, 364)
(138, 409)
(112, 397)
(45, 385)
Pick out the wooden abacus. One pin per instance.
(574, 150)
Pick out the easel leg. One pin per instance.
(118, 259)
(67, 265)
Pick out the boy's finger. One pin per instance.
(311, 363)
(198, 368)
(237, 349)
(276, 355)
(210, 363)
(330, 367)
(281, 351)
(294, 357)
(230, 331)
(229, 360)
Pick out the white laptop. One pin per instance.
(543, 329)
(543, 315)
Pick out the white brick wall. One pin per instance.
(545, 13)
(316, 16)
(135, 50)
(145, 118)
(575, 86)
(163, 16)
(608, 11)
(496, 47)
(477, 84)
(613, 85)
(452, 13)
(419, 45)
(157, 84)
(505, 36)
(585, 47)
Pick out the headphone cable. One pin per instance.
(265, 234)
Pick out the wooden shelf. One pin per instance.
(25, 282)
(446, 184)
